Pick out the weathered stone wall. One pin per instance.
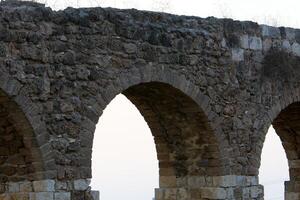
(209, 90)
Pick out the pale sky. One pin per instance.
(124, 157)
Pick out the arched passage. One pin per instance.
(287, 127)
(286, 124)
(124, 155)
(20, 155)
(186, 145)
(273, 171)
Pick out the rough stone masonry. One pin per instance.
(209, 90)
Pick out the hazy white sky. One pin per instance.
(124, 158)
(125, 165)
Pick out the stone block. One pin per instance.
(269, 31)
(95, 195)
(296, 48)
(41, 196)
(230, 193)
(255, 43)
(62, 196)
(44, 186)
(196, 181)
(159, 194)
(290, 34)
(223, 43)
(213, 193)
(5, 196)
(244, 41)
(26, 186)
(81, 184)
(224, 181)
(13, 187)
(182, 194)
(267, 44)
(130, 48)
(286, 45)
(246, 193)
(253, 180)
(237, 54)
(167, 181)
(241, 180)
(256, 191)
(170, 194)
(19, 196)
(61, 185)
(294, 163)
(292, 196)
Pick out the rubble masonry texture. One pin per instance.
(209, 90)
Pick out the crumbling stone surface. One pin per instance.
(209, 90)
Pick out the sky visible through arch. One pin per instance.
(140, 185)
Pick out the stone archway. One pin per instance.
(188, 148)
(26, 161)
(22, 166)
(184, 140)
(287, 126)
(284, 117)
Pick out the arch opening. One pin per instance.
(287, 127)
(273, 171)
(124, 154)
(185, 143)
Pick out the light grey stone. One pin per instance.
(62, 196)
(26, 186)
(225, 181)
(296, 48)
(290, 34)
(61, 185)
(41, 196)
(237, 54)
(246, 193)
(286, 45)
(269, 31)
(255, 191)
(44, 186)
(13, 187)
(196, 181)
(244, 41)
(255, 43)
(254, 180)
(213, 193)
(81, 184)
(223, 43)
(95, 195)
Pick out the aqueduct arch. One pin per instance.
(284, 118)
(60, 69)
(187, 146)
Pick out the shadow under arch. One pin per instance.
(24, 141)
(185, 146)
(179, 116)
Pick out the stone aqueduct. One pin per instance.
(209, 90)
